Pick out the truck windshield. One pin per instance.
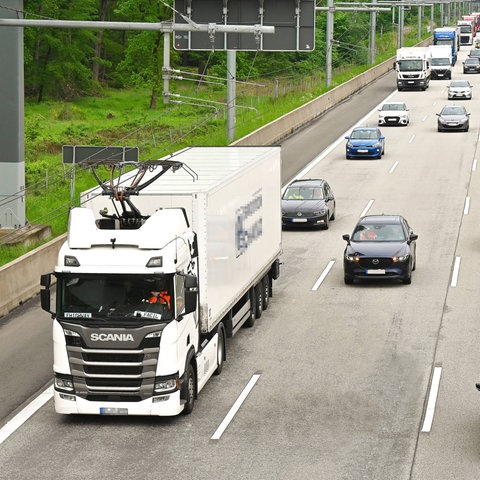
(437, 62)
(87, 297)
(410, 65)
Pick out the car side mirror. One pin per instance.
(413, 237)
(346, 237)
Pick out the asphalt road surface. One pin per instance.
(366, 381)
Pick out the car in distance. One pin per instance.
(393, 113)
(381, 246)
(365, 142)
(308, 203)
(474, 52)
(460, 89)
(453, 117)
(471, 65)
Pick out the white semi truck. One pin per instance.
(440, 61)
(413, 68)
(162, 263)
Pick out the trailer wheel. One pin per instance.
(258, 300)
(220, 351)
(266, 291)
(250, 322)
(190, 400)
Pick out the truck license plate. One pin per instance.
(113, 411)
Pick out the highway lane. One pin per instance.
(344, 370)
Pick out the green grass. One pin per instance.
(123, 118)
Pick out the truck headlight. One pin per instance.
(165, 385)
(64, 383)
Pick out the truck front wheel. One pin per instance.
(190, 391)
(220, 351)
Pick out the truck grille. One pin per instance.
(112, 374)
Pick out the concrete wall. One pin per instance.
(20, 280)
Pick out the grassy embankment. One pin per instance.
(124, 118)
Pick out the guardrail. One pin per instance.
(19, 280)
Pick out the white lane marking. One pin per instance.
(432, 400)
(337, 142)
(236, 406)
(411, 139)
(321, 278)
(367, 208)
(25, 414)
(394, 166)
(474, 166)
(456, 269)
(424, 118)
(467, 206)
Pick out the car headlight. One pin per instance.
(349, 145)
(377, 145)
(319, 212)
(401, 258)
(352, 258)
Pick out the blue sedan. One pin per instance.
(365, 142)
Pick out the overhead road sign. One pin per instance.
(294, 22)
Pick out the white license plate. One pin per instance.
(362, 151)
(299, 220)
(452, 124)
(410, 81)
(113, 411)
(377, 271)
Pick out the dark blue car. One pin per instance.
(381, 246)
(365, 142)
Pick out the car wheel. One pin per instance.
(348, 280)
(348, 157)
(332, 216)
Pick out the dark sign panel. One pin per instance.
(294, 22)
(77, 154)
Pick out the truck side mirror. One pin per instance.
(191, 293)
(46, 281)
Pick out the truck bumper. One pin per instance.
(414, 83)
(162, 406)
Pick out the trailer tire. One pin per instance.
(220, 350)
(258, 300)
(190, 390)
(250, 321)
(266, 291)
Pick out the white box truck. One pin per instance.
(162, 263)
(413, 68)
(440, 61)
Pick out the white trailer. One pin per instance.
(147, 294)
(413, 68)
(440, 61)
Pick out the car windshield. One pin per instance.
(364, 134)
(460, 83)
(472, 61)
(303, 193)
(393, 106)
(378, 233)
(453, 111)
